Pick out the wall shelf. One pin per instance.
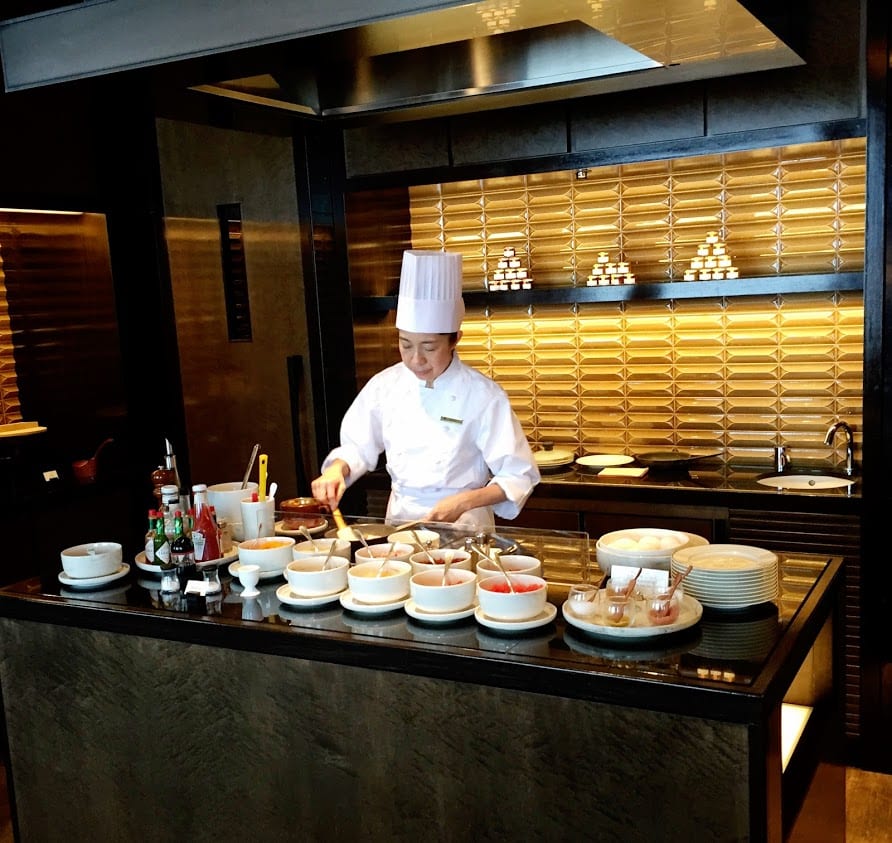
(776, 284)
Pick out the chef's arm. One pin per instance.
(451, 508)
(329, 487)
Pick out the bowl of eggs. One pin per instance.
(644, 547)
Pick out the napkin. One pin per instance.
(623, 472)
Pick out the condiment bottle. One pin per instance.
(150, 538)
(205, 537)
(170, 500)
(182, 553)
(161, 477)
(162, 543)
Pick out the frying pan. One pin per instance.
(666, 460)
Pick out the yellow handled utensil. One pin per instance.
(261, 491)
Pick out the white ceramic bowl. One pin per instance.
(647, 547)
(95, 559)
(269, 554)
(514, 563)
(498, 603)
(424, 536)
(307, 579)
(392, 585)
(319, 547)
(430, 595)
(226, 499)
(461, 560)
(399, 552)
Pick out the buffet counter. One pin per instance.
(233, 719)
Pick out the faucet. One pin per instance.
(850, 443)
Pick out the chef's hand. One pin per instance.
(329, 487)
(449, 509)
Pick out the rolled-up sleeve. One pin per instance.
(361, 442)
(508, 456)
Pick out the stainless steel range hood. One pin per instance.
(399, 63)
(457, 60)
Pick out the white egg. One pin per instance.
(668, 542)
(625, 543)
(648, 543)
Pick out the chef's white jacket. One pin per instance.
(459, 434)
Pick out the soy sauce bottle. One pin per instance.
(182, 553)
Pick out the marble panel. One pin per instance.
(288, 742)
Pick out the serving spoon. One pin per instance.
(331, 548)
(496, 553)
(423, 547)
(447, 562)
(385, 560)
(306, 534)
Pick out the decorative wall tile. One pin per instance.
(742, 373)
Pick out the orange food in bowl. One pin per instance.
(263, 544)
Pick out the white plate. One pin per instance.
(348, 602)
(547, 615)
(264, 575)
(554, 457)
(93, 582)
(689, 614)
(725, 558)
(413, 611)
(149, 568)
(315, 531)
(604, 460)
(289, 598)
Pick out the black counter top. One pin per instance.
(730, 666)
(713, 482)
(708, 482)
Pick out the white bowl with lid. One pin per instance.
(94, 559)
(643, 547)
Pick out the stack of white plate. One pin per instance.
(728, 576)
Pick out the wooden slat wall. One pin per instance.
(839, 535)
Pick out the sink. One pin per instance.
(806, 482)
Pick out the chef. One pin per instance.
(454, 448)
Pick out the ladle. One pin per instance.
(496, 561)
(85, 470)
(250, 465)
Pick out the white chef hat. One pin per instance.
(430, 299)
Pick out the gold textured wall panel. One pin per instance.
(740, 374)
(781, 211)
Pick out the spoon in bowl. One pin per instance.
(447, 562)
(328, 555)
(306, 534)
(496, 561)
(385, 560)
(423, 547)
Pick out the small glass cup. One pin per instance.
(170, 581)
(618, 610)
(583, 600)
(211, 576)
(663, 609)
